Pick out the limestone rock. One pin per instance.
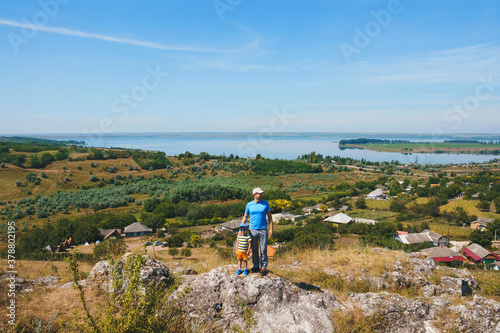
(221, 300)
(153, 273)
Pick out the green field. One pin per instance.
(428, 147)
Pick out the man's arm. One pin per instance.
(245, 217)
(270, 219)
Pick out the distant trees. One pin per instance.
(483, 206)
(361, 203)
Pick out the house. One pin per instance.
(425, 236)
(415, 238)
(365, 221)
(381, 187)
(481, 223)
(437, 239)
(309, 210)
(344, 208)
(479, 255)
(442, 254)
(340, 218)
(376, 194)
(137, 229)
(110, 233)
(287, 216)
(232, 225)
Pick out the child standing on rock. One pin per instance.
(243, 248)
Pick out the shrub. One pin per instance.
(173, 251)
(186, 252)
(137, 309)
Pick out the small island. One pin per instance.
(405, 146)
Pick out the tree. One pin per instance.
(483, 205)
(482, 238)
(154, 221)
(497, 205)
(361, 203)
(397, 206)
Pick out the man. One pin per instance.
(258, 210)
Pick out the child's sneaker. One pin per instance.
(245, 272)
(238, 272)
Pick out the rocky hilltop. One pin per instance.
(219, 300)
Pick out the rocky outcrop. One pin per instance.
(222, 300)
(152, 273)
(25, 285)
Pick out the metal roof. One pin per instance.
(136, 227)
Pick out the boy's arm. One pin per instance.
(249, 246)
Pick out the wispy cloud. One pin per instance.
(129, 41)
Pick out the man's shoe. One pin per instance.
(263, 272)
(254, 269)
(238, 272)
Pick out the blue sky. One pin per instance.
(249, 66)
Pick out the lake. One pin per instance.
(282, 147)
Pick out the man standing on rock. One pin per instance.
(258, 210)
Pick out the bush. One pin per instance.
(173, 251)
(137, 309)
(109, 248)
(186, 252)
(361, 203)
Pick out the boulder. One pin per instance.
(222, 300)
(153, 273)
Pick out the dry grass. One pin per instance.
(470, 207)
(311, 266)
(32, 269)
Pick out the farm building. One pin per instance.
(287, 216)
(481, 223)
(479, 255)
(109, 233)
(340, 218)
(425, 236)
(309, 210)
(376, 194)
(137, 229)
(442, 254)
(232, 225)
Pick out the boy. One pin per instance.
(243, 248)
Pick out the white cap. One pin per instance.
(257, 190)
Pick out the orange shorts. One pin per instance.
(241, 255)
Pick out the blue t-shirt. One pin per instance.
(257, 212)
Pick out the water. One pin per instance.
(282, 147)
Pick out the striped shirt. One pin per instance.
(243, 241)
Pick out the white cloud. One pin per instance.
(136, 42)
